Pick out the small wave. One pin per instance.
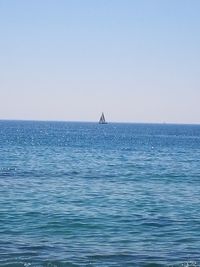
(40, 264)
(99, 260)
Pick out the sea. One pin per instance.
(83, 194)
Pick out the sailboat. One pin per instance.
(102, 119)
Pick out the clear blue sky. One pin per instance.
(136, 60)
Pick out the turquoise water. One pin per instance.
(83, 194)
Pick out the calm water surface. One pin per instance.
(83, 194)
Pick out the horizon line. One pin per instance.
(108, 122)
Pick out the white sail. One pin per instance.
(102, 119)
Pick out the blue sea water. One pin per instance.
(83, 194)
